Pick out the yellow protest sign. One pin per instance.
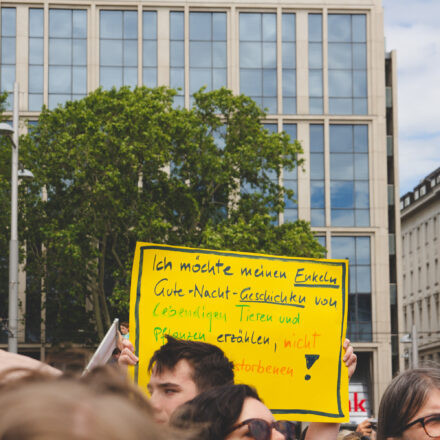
(281, 320)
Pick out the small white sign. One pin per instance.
(359, 402)
(105, 349)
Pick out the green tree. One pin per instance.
(5, 220)
(120, 166)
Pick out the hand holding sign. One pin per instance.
(127, 356)
(349, 358)
(281, 320)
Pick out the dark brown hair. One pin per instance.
(404, 397)
(211, 366)
(214, 412)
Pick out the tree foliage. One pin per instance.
(122, 166)
(5, 220)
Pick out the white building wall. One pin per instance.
(420, 217)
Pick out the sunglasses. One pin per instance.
(260, 429)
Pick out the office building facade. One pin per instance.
(320, 70)
(420, 220)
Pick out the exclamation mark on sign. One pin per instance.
(310, 360)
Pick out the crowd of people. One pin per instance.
(193, 396)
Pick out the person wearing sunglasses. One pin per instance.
(231, 412)
(410, 406)
(236, 412)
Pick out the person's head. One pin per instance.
(71, 410)
(343, 433)
(107, 381)
(354, 436)
(411, 397)
(230, 412)
(116, 353)
(14, 366)
(124, 328)
(180, 370)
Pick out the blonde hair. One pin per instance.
(353, 436)
(342, 433)
(72, 410)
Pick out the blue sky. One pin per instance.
(412, 28)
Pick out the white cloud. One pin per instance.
(417, 158)
(411, 27)
(408, 12)
(418, 64)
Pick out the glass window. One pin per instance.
(60, 23)
(207, 51)
(60, 51)
(36, 21)
(130, 53)
(8, 50)
(118, 48)
(339, 56)
(341, 138)
(315, 28)
(36, 59)
(130, 25)
(347, 64)
(322, 241)
(110, 77)
(341, 85)
(258, 62)
(316, 94)
(290, 181)
(177, 57)
(149, 49)
(60, 79)
(79, 24)
(349, 175)
(110, 25)
(250, 27)
(79, 81)
(342, 166)
(339, 28)
(342, 197)
(274, 175)
(359, 28)
(200, 26)
(269, 27)
(357, 251)
(317, 178)
(7, 54)
(289, 63)
(8, 21)
(67, 56)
